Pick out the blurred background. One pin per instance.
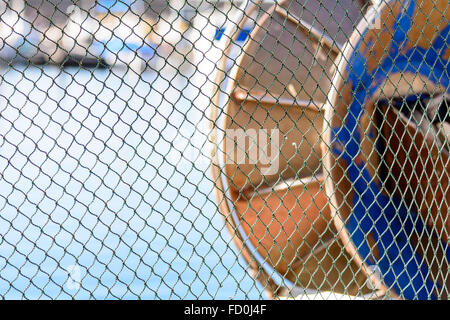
(114, 32)
(105, 189)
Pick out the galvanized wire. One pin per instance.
(224, 149)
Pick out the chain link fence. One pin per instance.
(207, 149)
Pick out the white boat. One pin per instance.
(49, 43)
(13, 28)
(77, 39)
(123, 33)
(211, 31)
(171, 34)
(190, 33)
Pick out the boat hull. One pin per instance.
(267, 151)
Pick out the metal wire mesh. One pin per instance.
(224, 149)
